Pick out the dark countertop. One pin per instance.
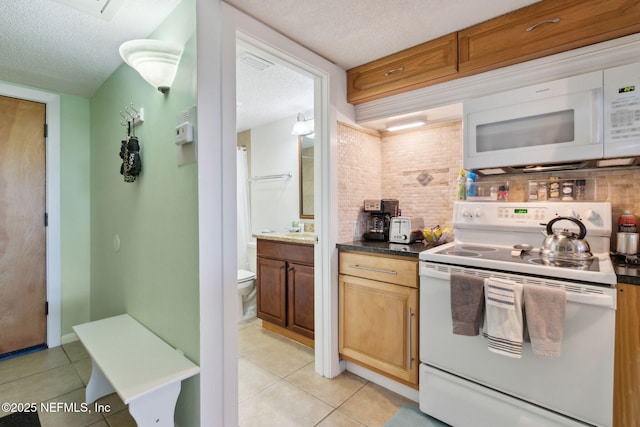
(385, 248)
(627, 273)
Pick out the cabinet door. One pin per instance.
(626, 379)
(543, 29)
(271, 296)
(428, 63)
(378, 326)
(300, 299)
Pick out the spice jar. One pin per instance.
(567, 190)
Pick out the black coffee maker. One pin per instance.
(379, 213)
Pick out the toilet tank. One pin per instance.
(252, 249)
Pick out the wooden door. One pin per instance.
(22, 225)
(300, 305)
(272, 288)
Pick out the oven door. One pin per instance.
(463, 383)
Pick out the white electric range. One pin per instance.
(464, 384)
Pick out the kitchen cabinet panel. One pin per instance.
(378, 320)
(626, 390)
(428, 63)
(386, 269)
(542, 29)
(285, 284)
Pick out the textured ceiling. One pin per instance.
(353, 32)
(53, 46)
(50, 45)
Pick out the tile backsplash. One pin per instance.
(389, 166)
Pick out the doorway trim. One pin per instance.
(52, 141)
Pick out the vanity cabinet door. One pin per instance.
(272, 288)
(300, 299)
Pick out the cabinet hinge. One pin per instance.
(46, 308)
(46, 130)
(46, 219)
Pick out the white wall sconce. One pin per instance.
(302, 126)
(155, 60)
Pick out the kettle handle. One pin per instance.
(583, 229)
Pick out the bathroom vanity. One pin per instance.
(285, 283)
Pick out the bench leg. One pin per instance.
(156, 408)
(98, 384)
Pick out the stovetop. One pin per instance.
(501, 258)
(512, 255)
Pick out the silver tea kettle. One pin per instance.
(565, 244)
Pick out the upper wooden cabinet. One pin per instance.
(542, 29)
(428, 63)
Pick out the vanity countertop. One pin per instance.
(304, 238)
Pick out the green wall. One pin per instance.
(154, 274)
(74, 211)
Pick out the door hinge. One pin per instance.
(46, 219)
(46, 130)
(46, 308)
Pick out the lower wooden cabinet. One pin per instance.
(378, 320)
(285, 283)
(626, 390)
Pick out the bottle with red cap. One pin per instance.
(627, 223)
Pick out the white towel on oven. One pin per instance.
(503, 316)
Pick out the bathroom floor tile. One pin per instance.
(334, 391)
(252, 379)
(281, 357)
(282, 405)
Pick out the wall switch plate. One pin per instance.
(184, 133)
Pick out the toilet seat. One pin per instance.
(245, 276)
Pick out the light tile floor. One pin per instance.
(57, 377)
(277, 386)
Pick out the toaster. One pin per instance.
(404, 229)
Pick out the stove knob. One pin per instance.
(466, 213)
(572, 214)
(591, 215)
(477, 212)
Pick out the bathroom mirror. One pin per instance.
(305, 169)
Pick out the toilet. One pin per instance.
(247, 285)
(246, 288)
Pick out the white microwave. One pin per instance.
(562, 124)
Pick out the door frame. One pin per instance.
(52, 206)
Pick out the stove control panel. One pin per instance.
(528, 216)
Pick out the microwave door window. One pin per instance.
(533, 131)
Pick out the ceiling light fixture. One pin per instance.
(302, 126)
(155, 60)
(407, 125)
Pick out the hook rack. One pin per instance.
(132, 117)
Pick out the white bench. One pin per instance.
(130, 360)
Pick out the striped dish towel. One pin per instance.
(503, 316)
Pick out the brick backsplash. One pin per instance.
(373, 166)
(387, 166)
